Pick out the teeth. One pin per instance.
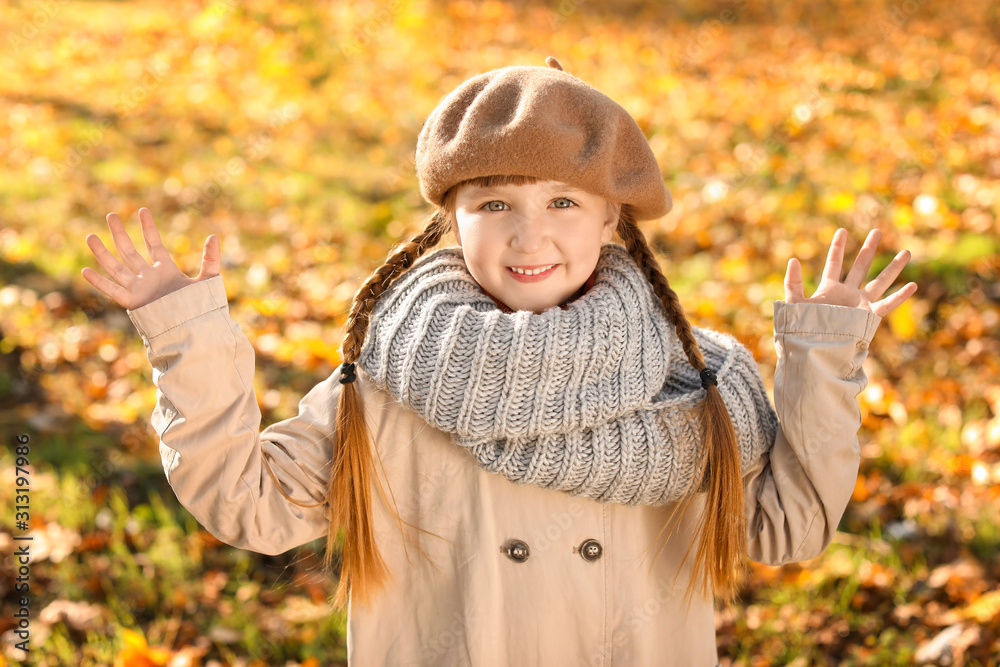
(532, 272)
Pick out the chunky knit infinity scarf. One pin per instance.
(595, 400)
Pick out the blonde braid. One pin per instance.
(382, 277)
(364, 571)
(720, 560)
(349, 492)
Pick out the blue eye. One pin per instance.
(568, 203)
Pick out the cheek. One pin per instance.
(479, 245)
(472, 238)
(490, 234)
(586, 249)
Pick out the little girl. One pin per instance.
(539, 407)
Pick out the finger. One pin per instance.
(130, 257)
(151, 236)
(107, 287)
(887, 276)
(211, 258)
(890, 303)
(863, 262)
(108, 261)
(835, 257)
(793, 282)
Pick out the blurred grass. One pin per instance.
(289, 130)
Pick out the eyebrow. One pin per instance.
(478, 190)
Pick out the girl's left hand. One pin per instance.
(850, 292)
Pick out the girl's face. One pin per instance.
(544, 225)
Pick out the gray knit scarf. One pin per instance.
(596, 400)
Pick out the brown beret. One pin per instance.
(542, 122)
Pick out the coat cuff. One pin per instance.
(822, 318)
(176, 308)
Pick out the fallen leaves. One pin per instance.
(137, 653)
(53, 542)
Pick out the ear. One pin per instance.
(610, 222)
(454, 230)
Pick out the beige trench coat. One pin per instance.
(479, 603)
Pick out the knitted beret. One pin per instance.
(541, 122)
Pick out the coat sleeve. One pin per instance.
(208, 421)
(797, 492)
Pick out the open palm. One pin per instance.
(136, 281)
(850, 292)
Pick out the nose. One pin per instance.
(529, 235)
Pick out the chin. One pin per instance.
(541, 308)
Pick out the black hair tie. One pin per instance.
(707, 378)
(347, 373)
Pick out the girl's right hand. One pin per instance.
(136, 282)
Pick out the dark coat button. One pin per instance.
(591, 550)
(517, 551)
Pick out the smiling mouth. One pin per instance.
(531, 271)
